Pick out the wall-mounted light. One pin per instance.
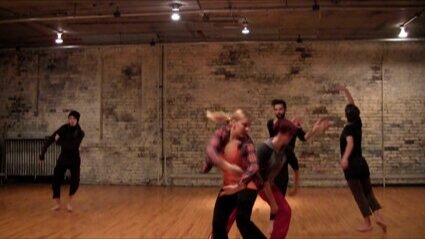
(59, 40)
(175, 9)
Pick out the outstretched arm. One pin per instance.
(319, 126)
(347, 93)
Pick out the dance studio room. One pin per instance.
(202, 119)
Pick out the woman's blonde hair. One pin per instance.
(223, 117)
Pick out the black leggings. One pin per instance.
(363, 194)
(59, 173)
(243, 201)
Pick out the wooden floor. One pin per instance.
(178, 212)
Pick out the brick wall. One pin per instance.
(124, 93)
(115, 90)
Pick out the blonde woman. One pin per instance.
(232, 150)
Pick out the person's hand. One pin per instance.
(325, 124)
(206, 166)
(344, 164)
(57, 137)
(297, 121)
(231, 189)
(340, 87)
(317, 124)
(322, 125)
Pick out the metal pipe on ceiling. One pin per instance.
(200, 12)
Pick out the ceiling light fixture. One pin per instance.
(175, 8)
(403, 33)
(152, 43)
(59, 40)
(245, 29)
(205, 17)
(117, 12)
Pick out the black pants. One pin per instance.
(243, 201)
(282, 181)
(363, 194)
(59, 173)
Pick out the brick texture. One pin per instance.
(126, 93)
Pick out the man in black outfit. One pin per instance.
(69, 137)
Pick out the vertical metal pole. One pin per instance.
(382, 120)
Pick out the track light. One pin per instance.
(175, 16)
(403, 33)
(117, 12)
(59, 40)
(245, 29)
(316, 6)
(175, 8)
(205, 18)
(152, 43)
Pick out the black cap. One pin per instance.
(75, 114)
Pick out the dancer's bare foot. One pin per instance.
(380, 221)
(69, 207)
(382, 225)
(365, 228)
(57, 207)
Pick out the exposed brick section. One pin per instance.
(409, 142)
(227, 76)
(118, 92)
(116, 96)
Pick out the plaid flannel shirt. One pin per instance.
(216, 147)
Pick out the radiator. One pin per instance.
(21, 157)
